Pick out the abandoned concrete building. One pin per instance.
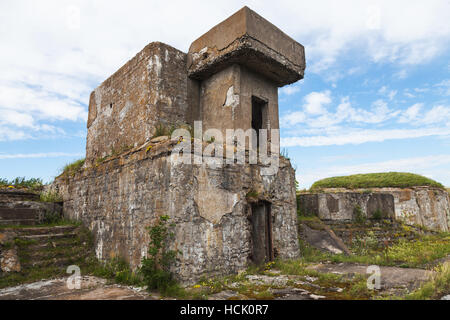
(224, 218)
(423, 206)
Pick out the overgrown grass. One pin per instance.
(117, 270)
(33, 184)
(404, 253)
(355, 288)
(78, 253)
(438, 286)
(50, 196)
(71, 169)
(376, 180)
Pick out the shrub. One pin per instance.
(358, 215)
(51, 217)
(155, 267)
(377, 215)
(50, 196)
(119, 270)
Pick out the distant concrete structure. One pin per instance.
(423, 206)
(225, 217)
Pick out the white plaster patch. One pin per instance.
(232, 100)
(98, 98)
(125, 109)
(155, 64)
(99, 248)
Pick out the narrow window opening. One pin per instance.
(259, 116)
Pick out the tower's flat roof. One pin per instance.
(248, 39)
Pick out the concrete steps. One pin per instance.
(18, 207)
(18, 216)
(44, 248)
(34, 231)
(18, 222)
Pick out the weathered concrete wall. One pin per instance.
(226, 100)
(248, 39)
(424, 206)
(124, 110)
(119, 198)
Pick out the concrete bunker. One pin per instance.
(229, 79)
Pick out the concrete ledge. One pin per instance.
(248, 39)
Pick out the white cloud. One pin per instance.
(411, 113)
(444, 87)
(9, 134)
(53, 53)
(314, 114)
(39, 155)
(436, 115)
(316, 102)
(429, 165)
(359, 136)
(291, 89)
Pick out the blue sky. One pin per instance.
(375, 97)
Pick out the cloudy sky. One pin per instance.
(375, 97)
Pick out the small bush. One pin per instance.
(358, 215)
(51, 217)
(377, 215)
(252, 194)
(50, 196)
(118, 270)
(155, 267)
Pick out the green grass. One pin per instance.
(376, 180)
(33, 184)
(71, 169)
(438, 286)
(354, 289)
(404, 253)
(80, 245)
(50, 196)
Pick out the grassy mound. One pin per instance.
(376, 180)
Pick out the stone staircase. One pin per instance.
(386, 232)
(18, 207)
(43, 249)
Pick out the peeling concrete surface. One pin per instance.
(423, 206)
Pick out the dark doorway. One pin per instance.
(259, 110)
(262, 233)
